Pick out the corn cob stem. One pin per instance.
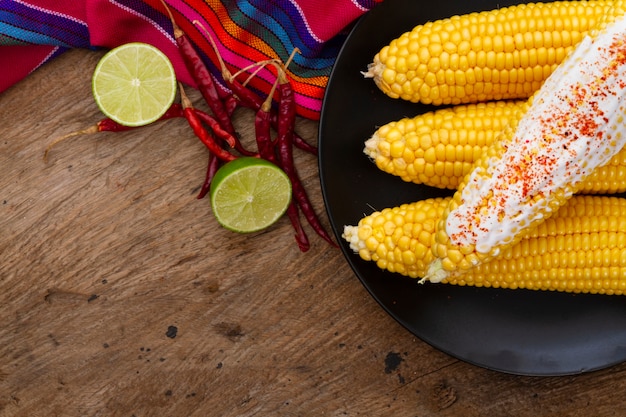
(573, 125)
(500, 54)
(582, 248)
(438, 148)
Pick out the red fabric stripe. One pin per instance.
(23, 59)
(327, 18)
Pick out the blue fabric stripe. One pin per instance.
(283, 24)
(6, 40)
(35, 26)
(293, 16)
(280, 24)
(30, 37)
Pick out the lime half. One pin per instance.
(249, 194)
(134, 84)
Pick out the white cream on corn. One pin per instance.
(574, 125)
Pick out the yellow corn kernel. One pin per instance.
(579, 249)
(503, 54)
(445, 136)
(413, 240)
(571, 125)
(461, 134)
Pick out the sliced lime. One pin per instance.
(249, 194)
(134, 84)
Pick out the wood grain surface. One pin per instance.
(121, 296)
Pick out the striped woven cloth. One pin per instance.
(33, 32)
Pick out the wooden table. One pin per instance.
(121, 296)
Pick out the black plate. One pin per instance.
(514, 331)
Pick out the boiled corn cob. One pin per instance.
(438, 148)
(574, 124)
(501, 54)
(582, 248)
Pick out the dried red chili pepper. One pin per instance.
(202, 134)
(215, 127)
(297, 140)
(247, 98)
(262, 128)
(231, 140)
(230, 104)
(109, 125)
(212, 167)
(285, 129)
(301, 238)
(200, 74)
(263, 135)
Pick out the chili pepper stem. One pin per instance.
(89, 130)
(283, 74)
(184, 99)
(178, 32)
(259, 66)
(267, 104)
(109, 125)
(225, 72)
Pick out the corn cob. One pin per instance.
(438, 148)
(573, 124)
(582, 248)
(501, 54)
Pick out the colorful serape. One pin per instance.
(247, 31)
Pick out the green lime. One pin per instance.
(249, 194)
(134, 84)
